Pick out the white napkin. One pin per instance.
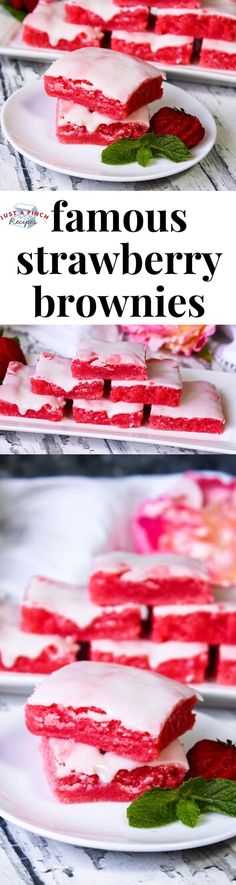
(65, 340)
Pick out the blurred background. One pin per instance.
(111, 465)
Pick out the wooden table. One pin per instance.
(34, 860)
(217, 172)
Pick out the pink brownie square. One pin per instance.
(105, 359)
(204, 22)
(17, 398)
(26, 653)
(199, 411)
(81, 773)
(164, 48)
(218, 54)
(53, 376)
(186, 4)
(47, 28)
(226, 665)
(76, 124)
(150, 580)
(163, 385)
(184, 661)
(55, 607)
(107, 413)
(216, 622)
(114, 85)
(107, 14)
(99, 704)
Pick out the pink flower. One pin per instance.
(177, 339)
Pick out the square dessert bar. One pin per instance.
(216, 622)
(195, 22)
(107, 14)
(226, 665)
(108, 413)
(26, 653)
(53, 376)
(81, 773)
(163, 385)
(151, 580)
(105, 359)
(47, 28)
(55, 607)
(186, 4)
(218, 54)
(102, 705)
(76, 124)
(16, 397)
(164, 48)
(104, 81)
(200, 411)
(184, 661)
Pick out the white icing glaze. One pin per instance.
(49, 18)
(57, 369)
(156, 41)
(138, 566)
(116, 690)
(16, 389)
(161, 373)
(220, 46)
(116, 353)
(117, 76)
(156, 652)
(175, 10)
(199, 399)
(106, 9)
(105, 405)
(68, 600)
(160, 611)
(15, 643)
(227, 652)
(73, 757)
(69, 112)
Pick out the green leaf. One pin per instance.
(188, 812)
(218, 794)
(205, 354)
(172, 148)
(144, 149)
(154, 808)
(144, 155)
(16, 13)
(122, 151)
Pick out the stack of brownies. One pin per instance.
(109, 733)
(176, 32)
(112, 384)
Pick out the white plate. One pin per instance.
(26, 800)
(28, 122)
(17, 49)
(225, 383)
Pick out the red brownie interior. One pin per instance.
(150, 580)
(76, 124)
(113, 17)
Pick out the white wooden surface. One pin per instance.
(34, 860)
(217, 172)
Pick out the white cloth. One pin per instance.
(64, 340)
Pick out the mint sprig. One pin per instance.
(186, 803)
(143, 150)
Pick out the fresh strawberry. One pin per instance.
(212, 759)
(171, 121)
(9, 350)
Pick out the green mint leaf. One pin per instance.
(154, 808)
(217, 794)
(144, 155)
(122, 151)
(172, 148)
(188, 812)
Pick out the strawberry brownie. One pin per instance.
(200, 411)
(104, 81)
(76, 124)
(47, 28)
(55, 607)
(212, 23)
(226, 665)
(186, 4)
(16, 397)
(107, 14)
(184, 661)
(81, 773)
(218, 54)
(102, 705)
(108, 413)
(164, 48)
(163, 385)
(216, 622)
(106, 359)
(53, 376)
(26, 653)
(150, 580)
